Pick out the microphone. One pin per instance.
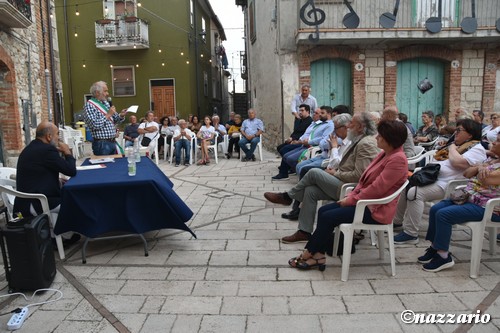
(110, 101)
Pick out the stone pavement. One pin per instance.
(235, 276)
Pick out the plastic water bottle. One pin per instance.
(137, 151)
(132, 168)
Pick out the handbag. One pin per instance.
(459, 196)
(146, 141)
(425, 176)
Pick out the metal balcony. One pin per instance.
(116, 35)
(15, 13)
(410, 23)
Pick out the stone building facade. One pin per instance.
(27, 56)
(377, 66)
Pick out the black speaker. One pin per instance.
(29, 257)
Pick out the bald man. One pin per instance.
(38, 169)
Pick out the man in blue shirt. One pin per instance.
(251, 129)
(319, 134)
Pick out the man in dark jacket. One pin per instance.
(303, 124)
(38, 169)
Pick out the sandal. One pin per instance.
(201, 162)
(293, 262)
(302, 264)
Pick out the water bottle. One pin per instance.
(129, 152)
(132, 168)
(137, 151)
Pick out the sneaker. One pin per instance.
(253, 158)
(279, 177)
(429, 254)
(228, 156)
(186, 164)
(298, 237)
(438, 263)
(176, 165)
(404, 238)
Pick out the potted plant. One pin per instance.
(129, 17)
(104, 20)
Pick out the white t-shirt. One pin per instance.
(491, 134)
(205, 132)
(177, 132)
(475, 155)
(149, 124)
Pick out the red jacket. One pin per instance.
(384, 175)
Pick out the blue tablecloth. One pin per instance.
(108, 199)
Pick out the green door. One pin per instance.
(409, 99)
(331, 82)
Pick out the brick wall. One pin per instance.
(491, 66)
(472, 79)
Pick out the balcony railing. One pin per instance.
(15, 13)
(114, 35)
(411, 16)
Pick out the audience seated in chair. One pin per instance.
(182, 140)
(316, 135)
(250, 130)
(303, 123)
(384, 175)
(454, 159)
(130, 133)
(234, 136)
(325, 184)
(206, 137)
(483, 185)
(150, 128)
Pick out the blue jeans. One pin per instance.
(186, 144)
(103, 147)
(253, 144)
(306, 165)
(444, 215)
(129, 143)
(330, 216)
(290, 160)
(283, 149)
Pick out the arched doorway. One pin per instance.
(409, 99)
(331, 82)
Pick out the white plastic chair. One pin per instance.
(166, 147)
(172, 150)
(477, 228)
(155, 150)
(224, 144)
(68, 139)
(427, 155)
(212, 148)
(259, 147)
(357, 223)
(428, 144)
(45, 209)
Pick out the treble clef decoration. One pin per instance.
(311, 15)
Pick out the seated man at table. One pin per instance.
(130, 133)
(38, 169)
(182, 139)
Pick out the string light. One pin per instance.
(83, 65)
(77, 13)
(110, 66)
(159, 48)
(137, 65)
(76, 33)
(201, 55)
(163, 64)
(187, 62)
(139, 4)
(182, 53)
(135, 46)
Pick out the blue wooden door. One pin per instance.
(331, 82)
(409, 99)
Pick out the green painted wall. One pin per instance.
(169, 30)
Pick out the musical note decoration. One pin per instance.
(388, 20)
(312, 16)
(434, 24)
(469, 24)
(351, 19)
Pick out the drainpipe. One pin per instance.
(52, 65)
(68, 56)
(196, 61)
(47, 86)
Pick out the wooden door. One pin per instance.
(409, 99)
(163, 99)
(331, 82)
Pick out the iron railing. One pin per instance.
(23, 6)
(120, 32)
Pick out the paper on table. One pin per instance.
(89, 167)
(133, 108)
(101, 160)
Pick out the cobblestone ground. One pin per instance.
(235, 276)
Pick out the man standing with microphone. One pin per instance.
(101, 116)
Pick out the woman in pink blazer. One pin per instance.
(387, 172)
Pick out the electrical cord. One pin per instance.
(17, 310)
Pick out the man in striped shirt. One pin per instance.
(101, 117)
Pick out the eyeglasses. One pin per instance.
(494, 117)
(339, 127)
(459, 129)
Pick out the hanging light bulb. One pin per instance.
(159, 49)
(77, 13)
(110, 66)
(51, 12)
(83, 65)
(182, 53)
(139, 4)
(201, 55)
(163, 64)
(76, 33)
(187, 62)
(137, 65)
(106, 9)
(135, 46)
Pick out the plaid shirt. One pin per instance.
(100, 127)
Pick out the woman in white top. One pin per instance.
(205, 136)
(490, 132)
